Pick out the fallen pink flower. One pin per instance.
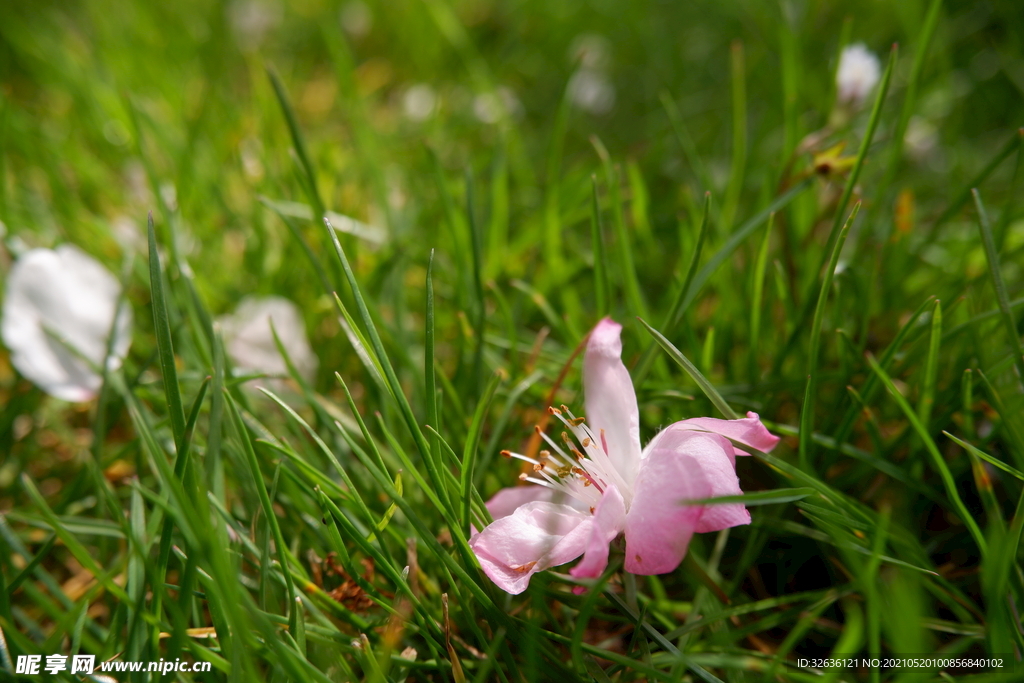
(583, 499)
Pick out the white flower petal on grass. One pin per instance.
(250, 341)
(58, 312)
(858, 73)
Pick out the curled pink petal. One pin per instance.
(536, 536)
(748, 431)
(609, 520)
(612, 413)
(658, 527)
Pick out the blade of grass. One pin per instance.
(552, 210)
(774, 497)
(624, 245)
(757, 300)
(678, 307)
(479, 309)
(1012, 145)
(181, 462)
(738, 164)
(310, 183)
(165, 348)
(940, 464)
(469, 453)
(844, 200)
(810, 391)
(924, 40)
(76, 547)
(705, 386)
(601, 287)
(682, 134)
(999, 286)
(389, 372)
(738, 237)
(871, 385)
(1014, 432)
(978, 453)
(268, 508)
(433, 457)
(931, 367)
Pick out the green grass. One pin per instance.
(317, 530)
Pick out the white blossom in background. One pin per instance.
(590, 88)
(419, 102)
(509, 99)
(58, 313)
(921, 138)
(356, 18)
(129, 235)
(858, 74)
(250, 341)
(487, 107)
(591, 91)
(252, 20)
(492, 107)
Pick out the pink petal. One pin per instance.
(713, 454)
(658, 527)
(748, 430)
(612, 413)
(609, 520)
(507, 500)
(536, 536)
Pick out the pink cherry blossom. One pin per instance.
(599, 483)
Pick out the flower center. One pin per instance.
(580, 468)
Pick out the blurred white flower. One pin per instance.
(251, 152)
(858, 73)
(591, 91)
(492, 107)
(419, 102)
(921, 138)
(513, 107)
(252, 20)
(356, 18)
(58, 313)
(250, 341)
(129, 235)
(487, 107)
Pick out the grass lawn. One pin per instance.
(838, 248)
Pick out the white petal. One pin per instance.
(58, 299)
(250, 341)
